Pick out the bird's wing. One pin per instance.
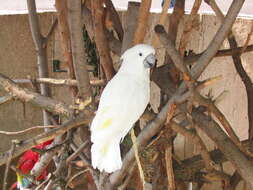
(122, 102)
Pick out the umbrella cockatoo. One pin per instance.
(122, 102)
(26, 164)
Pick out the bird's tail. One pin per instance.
(106, 157)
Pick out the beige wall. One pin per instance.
(18, 60)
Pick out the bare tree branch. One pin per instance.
(34, 98)
(162, 19)
(78, 53)
(41, 50)
(100, 39)
(130, 26)
(114, 16)
(26, 130)
(61, 7)
(82, 119)
(225, 52)
(66, 82)
(142, 22)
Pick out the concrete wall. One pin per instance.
(18, 60)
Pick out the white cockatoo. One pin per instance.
(122, 102)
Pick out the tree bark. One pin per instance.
(41, 50)
(78, 52)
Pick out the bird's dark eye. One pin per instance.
(140, 54)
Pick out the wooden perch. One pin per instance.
(101, 40)
(78, 52)
(66, 82)
(34, 98)
(82, 119)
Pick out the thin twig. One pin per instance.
(26, 130)
(74, 176)
(133, 137)
(169, 168)
(44, 182)
(13, 145)
(75, 154)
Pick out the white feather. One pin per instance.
(122, 102)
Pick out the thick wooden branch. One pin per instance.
(61, 7)
(41, 50)
(78, 52)
(82, 119)
(241, 163)
(130, 26)
(101, 40)
(36, 99)
(114, 17)
(175, 18)
(142, 22)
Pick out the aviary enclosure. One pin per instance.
(92, 38)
